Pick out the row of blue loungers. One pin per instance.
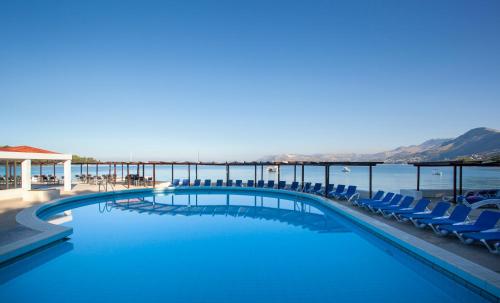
(443, 222)
(340, 192)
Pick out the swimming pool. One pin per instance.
(202, 245)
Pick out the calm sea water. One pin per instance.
(198, 246)
(385, 177)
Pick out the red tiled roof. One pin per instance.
(26, 149)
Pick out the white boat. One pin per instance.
(346, 169)
(436, 172)
(272, 169)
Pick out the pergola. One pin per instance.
(11, 157)
(457, 166)
(228, 165)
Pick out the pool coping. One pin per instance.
(477, 276)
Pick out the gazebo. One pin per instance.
(11, 157)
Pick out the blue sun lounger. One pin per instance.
(438, 211)
(270, 184)
(238, 183)
(349, 193)
(219, 182)
(486, 220)
(185, 182)
(396, 199)
(207, 182)
(386, 210)
(340, 189)
(329, 188)
(307, 187)
(419, 207)
(365, 202)
(176, 182)
(316, 188)
(260, 184)
(250, 183)
(377, 197)
(489, 238)
(229, 182)
(459, 214)
(282, 185)
(294, 186)
(197, 182)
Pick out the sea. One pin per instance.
(387, 177)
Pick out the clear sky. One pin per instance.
(237, 80)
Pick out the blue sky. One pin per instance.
(236, 80)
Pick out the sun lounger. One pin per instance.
(489, 238)
(307, 187)
(207, 182)
(229, 182)
(329, 188)
(219, 182)
(316, 188)
(438, 211)
(270, 184)
(185, 182)
(197, 182)
(281, 184)
(351, 191)
(396, 199)
(176, 182)
(238, 183)
(419, 207)
(459, 214)
(295, 186)
(250, 183)
(378, 196)
(486, 220)
(260, 184)
(387, 209)
(340, 189)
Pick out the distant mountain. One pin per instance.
(477, 143)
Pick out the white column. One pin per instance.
(26, 174)
(67, 175)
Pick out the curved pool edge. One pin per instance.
(472, 275)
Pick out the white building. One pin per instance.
(14, 186)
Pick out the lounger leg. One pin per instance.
(494, 249)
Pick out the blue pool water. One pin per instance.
(201, 246)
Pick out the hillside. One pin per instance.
(477, 143)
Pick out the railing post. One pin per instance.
(295, 173)
(227, 173)
(454, 183)
(255, 176)
(302, 176)
(279, 171)
(196, 171)
(327, 179)
(172, 179)
(128, 175)
(189, 174)
(460, 189)
(418, 178)
(370, 181)
(154, 175)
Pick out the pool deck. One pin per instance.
(11, 231)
